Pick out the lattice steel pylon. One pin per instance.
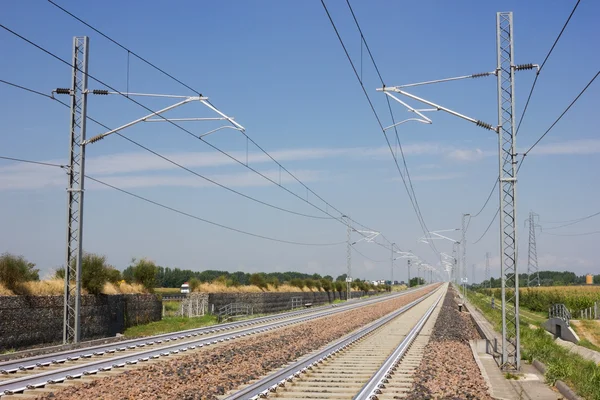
(511, 353)
(75, 191)
(533, 273)
(348, 257)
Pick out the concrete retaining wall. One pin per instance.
(33, 320)
(272, 302)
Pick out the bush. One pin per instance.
(310, 284)
(273, 281)
(326, 284)
(194, 283)
(94, 272)
(113, 275)
(297, 282)
(258, 280)
(14, 271)
(144, 272)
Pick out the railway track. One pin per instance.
(23, 375)
(375, 362)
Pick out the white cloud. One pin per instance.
(571, 147)
(434, 177)
(466, 154)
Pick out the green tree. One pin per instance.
(194, 283)
(144, 272)
(297, 282)
(341, 278)
(326, 284)
(258, 280)
(328, 277)
(15, 270)
(113, 275)
(94, 272)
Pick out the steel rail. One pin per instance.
(29, 363)
(374, 386)
(19, 385)
(271, 383)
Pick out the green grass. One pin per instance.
(582, 375)
(167, 290)
(169, 324)
(337, 301)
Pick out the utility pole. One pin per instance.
(75, 190)
(472, 274)
(487, 269)
(392, 266)
(76, 171)
(348, 257)
(533, 273)
(464, 252)
(408, 264)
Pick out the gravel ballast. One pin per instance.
(448, 369)
(211, 372)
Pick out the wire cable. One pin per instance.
(413, 198)
(176, 210)
(129, 51)
(367, 257)
(33, 162)
(373, 110)
(207, 221)
(542, 66)
(489, 226)
(177, 164)
(563, 113)
(572, 234)
(573, 222)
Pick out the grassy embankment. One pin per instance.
(582, 375)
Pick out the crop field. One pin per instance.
(541, 298)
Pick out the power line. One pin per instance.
(129, 51)
(173, 123)
(541, 137)
(488, 199)
(542, 66)
(563, 113)
(425, 231)
(413, 198)
(177, 164)
(572, 234)
(210, 222)
(33, 162)
(176, 210)
(573, 222)
(367, 257)
(489, 226)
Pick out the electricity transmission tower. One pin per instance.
(464, 252)
(75, 173)
(76, 170)
(533, 273)
(348, 256)
(504, 72)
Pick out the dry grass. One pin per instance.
(217, 287)
(134, 288)
(49, 287)
(4, 291)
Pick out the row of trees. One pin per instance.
(547, 278)
(96, 272)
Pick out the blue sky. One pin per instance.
(279, 70)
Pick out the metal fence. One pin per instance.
(559, 311)
(234, 310)
(296, 302)
(591, 312)
(189, 307)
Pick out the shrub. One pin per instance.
(15, 270)
(310, 284)
(194, 283)
(113, 275)
(273, 281)
(144, 272)
(326, 284)
(297, 282)
(94, 272)
(258, 280)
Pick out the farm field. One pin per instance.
(541, 298)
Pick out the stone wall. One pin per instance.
(33, 320)
(272, 302)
